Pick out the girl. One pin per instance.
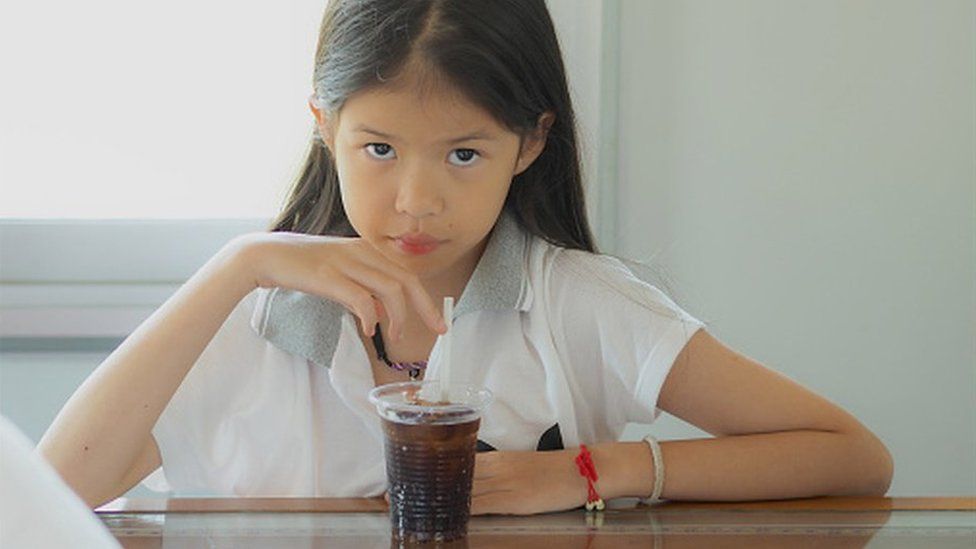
(445, 163)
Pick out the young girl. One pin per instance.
(445, 163)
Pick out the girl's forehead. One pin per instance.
(434, 110)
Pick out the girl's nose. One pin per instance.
(418, 195)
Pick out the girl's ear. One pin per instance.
(322, 122)
(534, 143)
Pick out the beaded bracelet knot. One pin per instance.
(584, 462)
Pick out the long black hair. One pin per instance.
(502, 55)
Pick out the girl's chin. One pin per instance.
(423, 266)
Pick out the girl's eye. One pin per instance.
(465, 157)
(382, 151)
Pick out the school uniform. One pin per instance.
(573, 345)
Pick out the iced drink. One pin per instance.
(430, 448)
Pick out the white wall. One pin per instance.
(805, 171)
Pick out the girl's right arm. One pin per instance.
(105, 427)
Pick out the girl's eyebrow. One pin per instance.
(474, 136)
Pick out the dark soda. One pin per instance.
(430, 467)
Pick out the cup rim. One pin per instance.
(484, 397)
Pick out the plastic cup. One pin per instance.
(430, 451)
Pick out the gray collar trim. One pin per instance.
(309, 326)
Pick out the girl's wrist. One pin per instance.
(625, 469)
(241, 257)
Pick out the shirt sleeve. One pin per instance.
(225, 428)
(620, 334)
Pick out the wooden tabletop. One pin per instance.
(378, 505)
(326, 522)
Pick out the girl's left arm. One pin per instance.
(774, 439)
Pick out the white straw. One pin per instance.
(446, 349)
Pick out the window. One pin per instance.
(138, 138)
(154, 110)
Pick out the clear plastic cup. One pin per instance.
(430, 450)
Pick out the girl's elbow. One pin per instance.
(879, 470)
(887, 471)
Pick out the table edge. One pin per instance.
(368, 505)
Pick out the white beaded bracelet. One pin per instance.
(658, 471)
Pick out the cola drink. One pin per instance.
(430, 452)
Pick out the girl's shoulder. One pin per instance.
(599, 281)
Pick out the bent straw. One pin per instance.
(446, 349)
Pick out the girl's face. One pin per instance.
(424, 176)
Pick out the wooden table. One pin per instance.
(349, 523)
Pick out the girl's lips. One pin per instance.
(416, 245)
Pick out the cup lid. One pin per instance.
(417, 402)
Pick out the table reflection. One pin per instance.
(637, 526)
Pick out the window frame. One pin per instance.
(80, 278)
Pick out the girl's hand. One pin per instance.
(346, 270)
(525, 483)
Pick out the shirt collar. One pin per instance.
(309, 326)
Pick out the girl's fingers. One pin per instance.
(389, 290)
(425, 306)
(363, 305)
(357, 299)
(482, 487)
(354, 271)
(422, 302)
(484, 465)
(415, 292)
(492, 502)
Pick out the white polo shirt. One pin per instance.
(572, 344)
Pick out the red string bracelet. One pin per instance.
(586, 468)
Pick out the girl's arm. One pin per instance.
(107, 422)
(774, 439)
(103, 435)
